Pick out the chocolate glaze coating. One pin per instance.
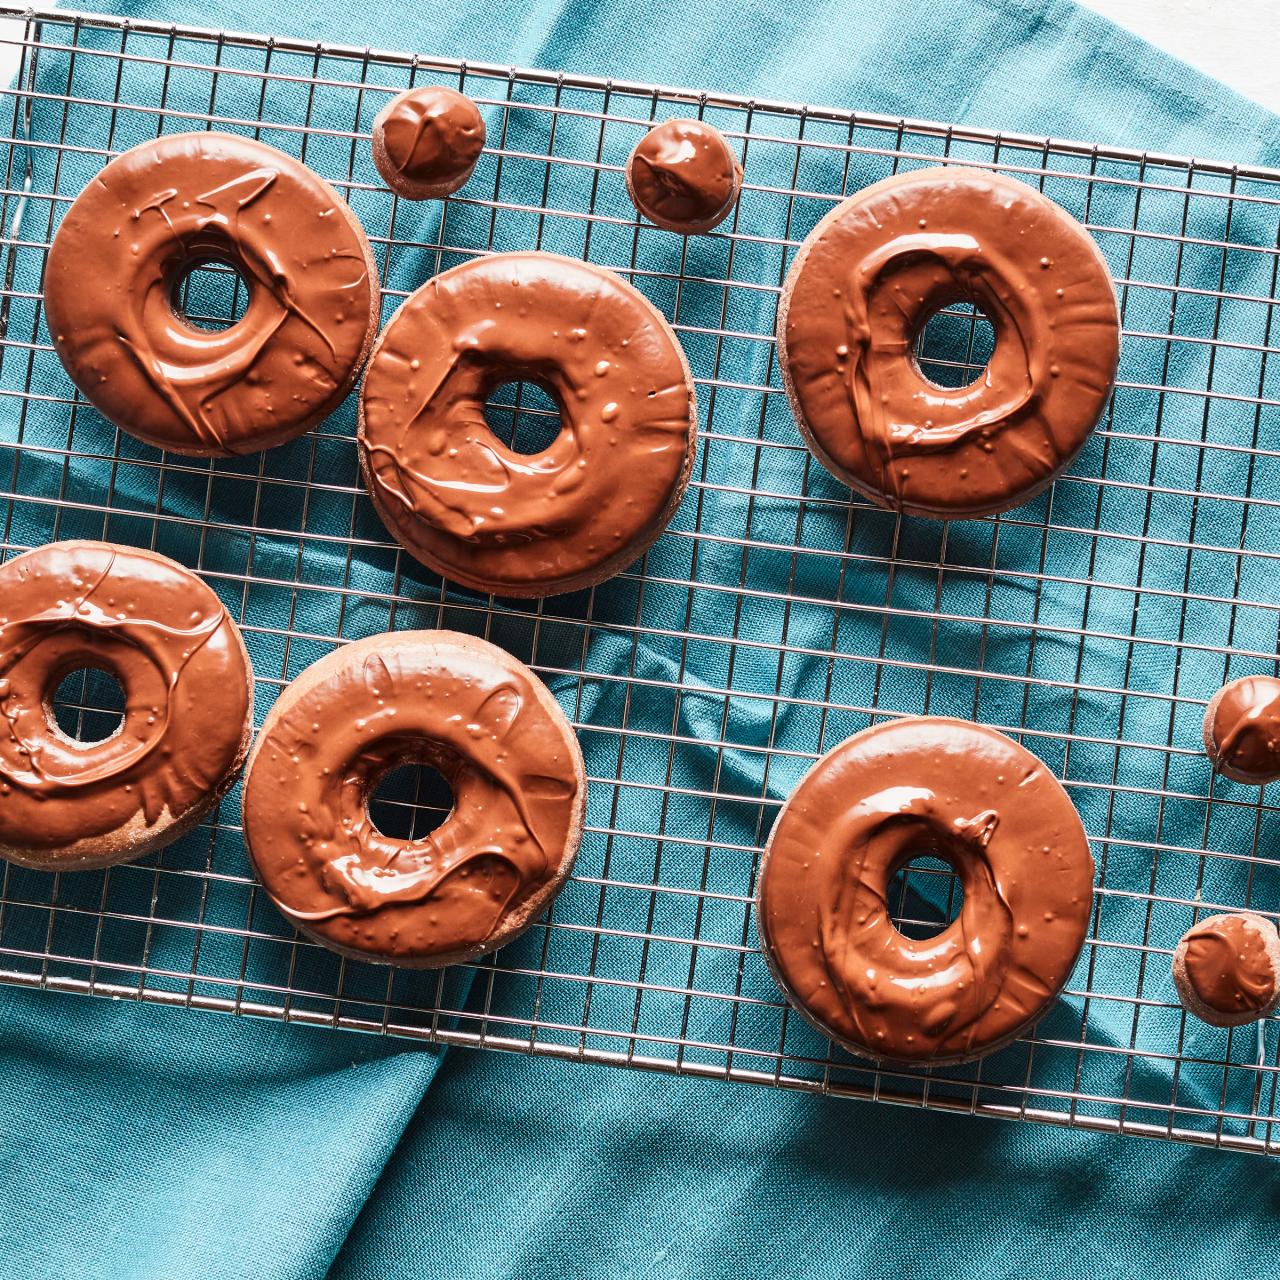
(188, 685)
(1227, 969)
(137, 230)
(897, 791)
(867, 280)
(496, 734)
(1242, 729)
(426, 142)
(683, 175)
(473, 509)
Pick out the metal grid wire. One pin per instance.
(1092, 623)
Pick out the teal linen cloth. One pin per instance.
(151, 1143)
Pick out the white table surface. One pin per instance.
(1236, 41)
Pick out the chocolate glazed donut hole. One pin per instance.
(1242, 730)
(683, 176)
(1226, 969)
(426, 142)
(493, 731)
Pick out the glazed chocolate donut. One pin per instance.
(496, 734)
(1242, 730)
(138, 230)
(683, 176)
(67, 805)
(476, 511)
(1227, 969)
(863, 286)
(909, 788)
(426, 142)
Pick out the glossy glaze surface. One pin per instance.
(1228, 966)
(1242, 729)
(868, 279)
(476, 510)
(925, 786)
(486, 724)
(135, 232)
(684, 176)
(174, 649)
(428, 137)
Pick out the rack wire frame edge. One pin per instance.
(920, 1088)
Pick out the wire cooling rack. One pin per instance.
(774, 618)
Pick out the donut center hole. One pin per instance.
(410, 801)
(924, 897)
(88, 705)
(209, 294)
(955, 344)
(523, 415)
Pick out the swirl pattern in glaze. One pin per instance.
(426, 141)
(925, 786)
(188, 696)
(1242, 730)
(477, 511)
(497, 736)
(683, 176)
(863, 286)
(142, 225)
(1227, 968)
